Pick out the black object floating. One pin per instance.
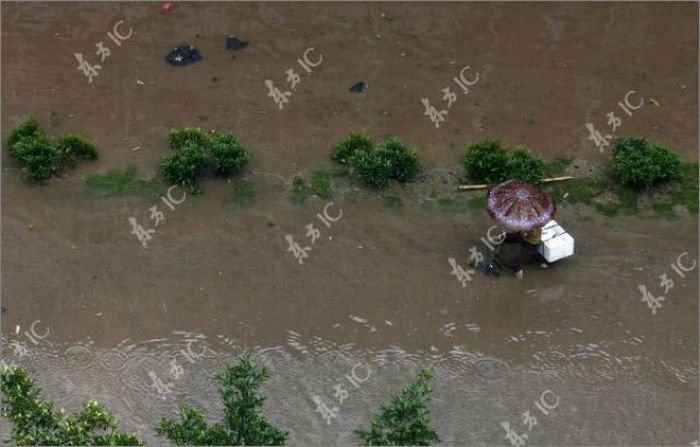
(184, 54)
(359, 87)
(235, 44)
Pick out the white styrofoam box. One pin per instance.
(552, 229)
(556, 242)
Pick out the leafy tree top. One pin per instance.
(37, 422)
(243, 422)
(406, 420)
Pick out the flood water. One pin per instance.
(375, 293)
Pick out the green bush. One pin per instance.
(74, 148)
(354, 143)
(29, 127)
(179, 138)
(227, 154)
(390, 160)
(525, 165)
(37, 157)
(641, 164)
(485, 161)
(406, 420)
(183, 167)
(374, 169)
(404, 161)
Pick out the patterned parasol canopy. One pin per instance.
(519, 206)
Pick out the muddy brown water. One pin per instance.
(376, 290)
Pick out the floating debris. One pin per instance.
(183, 54)
(235, 44)
(359, 87)
(166, 7)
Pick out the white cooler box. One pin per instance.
(556, 242)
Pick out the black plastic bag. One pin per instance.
(184, 54)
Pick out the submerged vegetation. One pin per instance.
(40, 157)
(488, 161)
(377, 165)
(122, 182)
(197, 153)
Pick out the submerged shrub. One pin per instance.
(227, 154)
(485, 161)
(74, 148)
(405, 163)
(524, 165)
(390, 160)
(354, 143)
(641, 164)
(29, 127)
(37, 156)
(374, 169)
(183, 167)
(180, 138)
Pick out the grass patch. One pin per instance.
(393, 202)
(321, 184)
(556, 166)
(244, 193)
(687, 195)
(300, 190)
(626, 204)
(664, 209)
(580, 190)
(122, 182)
(458, 206)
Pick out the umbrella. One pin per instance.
(519, 206)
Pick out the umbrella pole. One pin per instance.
(484, 185)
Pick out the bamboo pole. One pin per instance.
(484, 186)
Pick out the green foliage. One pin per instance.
(626, 203)
(321, 184)
(183, 167)
(28, 128)
(122, 182)
(687, 193)
(556, 166)
(73, 148)
(390, 160)
(641, 164)
(37, 157)
(524, 165)
(579, 190)
(344, 151)
(244, 193)
(405, 163)
(243, 422)
(300, 190)
(485, 161)
(197, 153)
(37, 422)
(227, 154)
(373, 169)
(405, 421)
(179, 138)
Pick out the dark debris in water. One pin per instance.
(183, 54)
(235, 44)
(359, 87)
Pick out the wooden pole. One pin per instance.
(484, 186)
